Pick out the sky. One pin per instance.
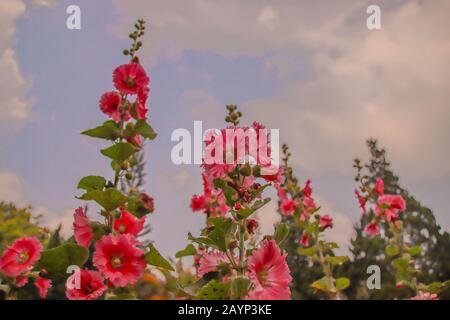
(309, 68)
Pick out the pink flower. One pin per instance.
(82, 231)
(379, 186)
(326, 222)
(110, 104)
(372, 229)
(91, 285)
(130, 78)
(304, 240)
(20, 257)
(129, 224)
(140, 107)
(307, 190)
(361, 200)
(425, 296)
(197, 203)
(119, 259)
(269, 273)
(288, 206)
(390, 206)
(210, 261)
(43, 285)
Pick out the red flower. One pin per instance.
(140, 107)
(379, 186)
(20, 257)
(307, 190)
(90, 286)
(147, 202)
(326, 222)
(425, 296)
(43, 285)
(197, 203)
(81, 229)
(372, 229)
(288, 206)
(304, 240)
(21, 281)
(210, 261)
(361, 200)
(130, 78)
(269, 273)
(389, 206)
(119, 259)
(110, 104)
(252, 224)
(129, 224)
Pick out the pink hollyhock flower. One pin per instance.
(119, 259)
(136, 140)
(140, 107)
(130, 78)
(379, 186)
(20, 256)
(269, 273)
(425, 296)
(21, 281)
(43, 285)
(372, 229)
(288, 206)
(361, 200)
(326, 222)
(128, 224)
(82, 231)
(91, 286)
(197, 203)
(390, 206)
(210, 261)
(110, 104)
(307, 190)
(304, 240)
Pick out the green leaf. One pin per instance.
(229, 192)
(307, 251)
(202, 240)
(239, 288)
(438, 287)
(414, 251)
(322, 285)
(144, 129)
(109, 199)
(154, 258)
(220, 234)
(57, 260)
(119, 152)
(188, 251)
(92, 183)
(245, 213)
(402, 269)
(337, 260)
(281, 232)
(214, 290)
(332, 245)
(109, 130)
(392, 250)
(342, 283)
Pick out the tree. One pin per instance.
(420, 225)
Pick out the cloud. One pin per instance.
(12, 188)
(15, 106)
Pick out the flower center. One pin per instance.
(130, 82)
(122, 228)
(116, 262)
(23, 256)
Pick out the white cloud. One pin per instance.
(12, 188)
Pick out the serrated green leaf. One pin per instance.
(109, 130)
(91, 183)
(144, 129)
(57, 260)
(188, 251)
(154, 258)
(214, 290)
(220, 234)
(119, 152)
(109, 199)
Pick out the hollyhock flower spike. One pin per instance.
(81, 229)
(91, 286)
(269, 273)
(119, 259)
(20, 257)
